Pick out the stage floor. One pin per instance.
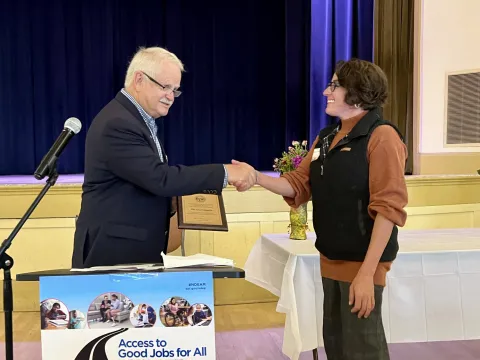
(72, 179)
(77, 179)
(30, 180)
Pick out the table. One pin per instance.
(151, 313)
(432, 292)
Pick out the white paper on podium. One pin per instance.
(170, 261)
(120, 268)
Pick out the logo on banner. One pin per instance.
(132, 349)
(95, 349)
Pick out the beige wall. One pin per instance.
(446, 40)
(434, 202)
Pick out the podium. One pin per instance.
(139, 314)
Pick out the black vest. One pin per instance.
(339, 180)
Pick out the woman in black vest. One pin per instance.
(354, 175)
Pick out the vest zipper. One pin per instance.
(342, 141)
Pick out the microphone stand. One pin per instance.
(6, 261)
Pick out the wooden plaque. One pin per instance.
(202, 212)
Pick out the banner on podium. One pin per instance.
(128, 316)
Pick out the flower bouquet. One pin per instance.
(288, 162)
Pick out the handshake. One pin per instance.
(241, 175)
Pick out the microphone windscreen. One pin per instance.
(73, 124)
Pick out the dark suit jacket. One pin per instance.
(127, 191)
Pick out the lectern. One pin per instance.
(129, 314)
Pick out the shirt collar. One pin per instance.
(140, 109)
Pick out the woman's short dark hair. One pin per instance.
(365, 82)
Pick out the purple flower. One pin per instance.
(296, 161)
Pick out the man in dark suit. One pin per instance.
(129, 185)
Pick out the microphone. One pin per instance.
(71, 127)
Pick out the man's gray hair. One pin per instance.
(148, 60)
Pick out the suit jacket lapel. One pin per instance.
(122, 99)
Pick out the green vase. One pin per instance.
(298, 222)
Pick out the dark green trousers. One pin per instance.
(345, 336)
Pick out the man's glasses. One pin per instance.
(168, 89)
(333, 85)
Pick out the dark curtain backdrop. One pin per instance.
(341, 29)
(255, 75)
(245, 92)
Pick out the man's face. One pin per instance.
(155, 92)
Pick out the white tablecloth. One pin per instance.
(432, 293)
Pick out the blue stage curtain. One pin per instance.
(341, 29)
(245, 92)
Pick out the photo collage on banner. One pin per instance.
(128, 316)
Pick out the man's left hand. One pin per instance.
(362, 295)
